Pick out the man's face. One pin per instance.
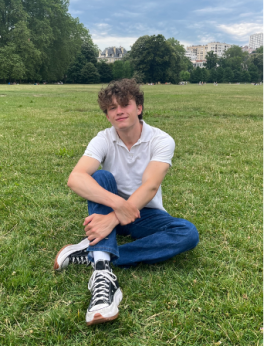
(123, 117)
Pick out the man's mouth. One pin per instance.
(120, 119)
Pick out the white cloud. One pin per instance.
(109, 41)
(208, 10)
(241, 31)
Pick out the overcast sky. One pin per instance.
(121, 23)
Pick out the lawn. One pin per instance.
(211, 295)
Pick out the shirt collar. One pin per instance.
(145, 134)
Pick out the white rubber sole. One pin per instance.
(67, 250)
(105, 314)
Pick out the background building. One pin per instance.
(201, 50)
(247, 49)
(111, 54)
(256, 40)
(198, 53)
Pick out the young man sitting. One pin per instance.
(123, 198)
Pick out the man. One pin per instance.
(123, 198)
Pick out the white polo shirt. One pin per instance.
(128, 166)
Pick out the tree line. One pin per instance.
(151, 59)
(234, 67)
(41, 41)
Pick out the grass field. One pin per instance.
(209, 296)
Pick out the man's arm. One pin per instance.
(97, 227)
(82, 183)
(151, 180)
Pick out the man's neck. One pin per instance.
(131, 135)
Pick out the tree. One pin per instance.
(212, 75)
(234, 51)
(88, 53)
(155, 59)
(259, 50)
(196, 75)
(90, 74)
(11, 64)
(118, 69)
(211, 60)
(184, 75)
(256, 59)
(185, 63)
(245, 76)
(237, 76)
(228, 75)
(105, 72)
(254, 73)
(45, 36)
(127, 69)
(220, 75)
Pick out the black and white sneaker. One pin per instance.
(72, 254)
(106, 294)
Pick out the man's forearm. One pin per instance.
(143, 195)
(85, 186)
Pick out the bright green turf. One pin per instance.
(208, 296)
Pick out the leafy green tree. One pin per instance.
(127, 69)
(228, 75)
(74, 73)
(205, 75)
(237, 75)
(11, 64)
(105, 72)
(90, 52)
(87, 54)
(259, 50)
(90, 74)
(254, 73)
(220, 74)
(155, 59)
(118, 69)
(196, 75)
(245, 76)
(46, 37)
(184, 64)
(256, 59)
(211, 60)
(212, 75)
(234, 51)
(184, 75)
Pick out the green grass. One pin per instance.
(209, 296)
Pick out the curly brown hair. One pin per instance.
(123, 90)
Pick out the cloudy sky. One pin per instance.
(121, 23)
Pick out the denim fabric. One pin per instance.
(158, 236)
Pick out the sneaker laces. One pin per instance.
(79, 258)
(99, 285)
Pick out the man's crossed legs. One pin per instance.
(157, 237)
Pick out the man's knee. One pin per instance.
(192, 233)
(106, 180)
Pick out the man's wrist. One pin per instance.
(114, 219)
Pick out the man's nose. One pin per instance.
(119, 109)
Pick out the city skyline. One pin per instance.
(192, 23)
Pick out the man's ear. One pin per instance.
(107, 116)
(139, 107)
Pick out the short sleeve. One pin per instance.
(97, 148)
(162, 148)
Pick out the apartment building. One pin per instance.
(256, 40)
(201, 50)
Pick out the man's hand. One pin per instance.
(99, 226)
(126, 212)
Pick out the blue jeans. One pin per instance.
(157, 235)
